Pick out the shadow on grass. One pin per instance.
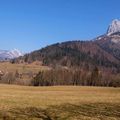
(98, 111)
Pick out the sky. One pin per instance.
(29, 25)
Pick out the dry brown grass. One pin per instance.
(26, 71)
(59, 102)
(21, 68)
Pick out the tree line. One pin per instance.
(64, 76)
(75, 77)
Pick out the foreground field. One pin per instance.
(59, 103)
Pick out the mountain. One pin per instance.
(103, 51)
(114, 27)
(6, 55)
(110, 42)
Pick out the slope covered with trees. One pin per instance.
(75, 54)
(93, 63)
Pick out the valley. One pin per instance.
(59, 59)
(85, 63)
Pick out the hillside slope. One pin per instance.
(104, 52)
(75, 53)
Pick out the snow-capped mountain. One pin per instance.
(114, 27)
(113, 33)
(15, 53)
(5, 54)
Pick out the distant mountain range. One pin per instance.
(103, 51)
(6, 55)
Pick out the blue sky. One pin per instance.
(31, 24)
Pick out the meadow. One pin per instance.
(59, 103)
(22, 67)
(25, 72)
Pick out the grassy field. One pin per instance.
(26, 71)
(59, 103)
(21, 68)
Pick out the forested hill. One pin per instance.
(103, 51)
(75, 53)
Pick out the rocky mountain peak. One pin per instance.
(114, 27)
